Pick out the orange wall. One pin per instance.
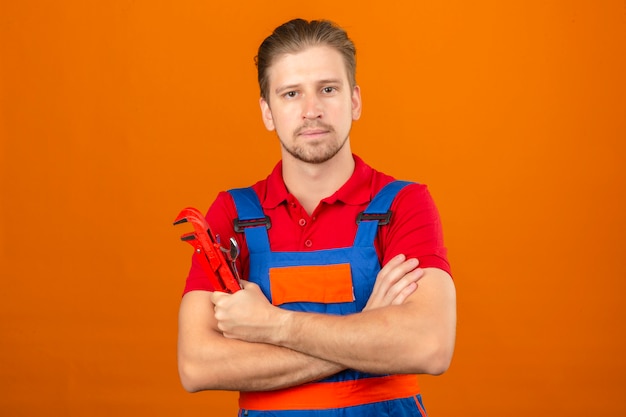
(115, 115)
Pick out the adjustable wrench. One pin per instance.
(210, 251)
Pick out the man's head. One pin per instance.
(298, 35)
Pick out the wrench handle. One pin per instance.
(209, 253)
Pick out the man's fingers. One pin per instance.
(405, 287)
(396, 269)
(399, 285)
(404, 294)
(390, 271)
(395, 282)
(216, 296)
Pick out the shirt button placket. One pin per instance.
(302, 222)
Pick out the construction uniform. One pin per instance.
(330, 280)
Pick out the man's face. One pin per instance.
(311, 104)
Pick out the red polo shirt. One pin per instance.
(415, 228)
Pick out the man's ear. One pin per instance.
(356, 103)
(266, 113)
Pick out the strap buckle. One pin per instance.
(382, 218)
(240, 225)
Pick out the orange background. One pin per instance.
(117, 114)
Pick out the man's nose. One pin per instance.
(312, 107)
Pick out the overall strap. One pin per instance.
(377, 213)
(251, 219)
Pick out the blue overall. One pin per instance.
(364, 266)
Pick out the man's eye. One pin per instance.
(328, 90)
(291, 94)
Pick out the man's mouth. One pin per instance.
(313, 131)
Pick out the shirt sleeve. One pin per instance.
(220, 218)
(415, 229)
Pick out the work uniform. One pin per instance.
(330, 270)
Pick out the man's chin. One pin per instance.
(312, 158)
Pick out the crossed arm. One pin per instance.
(241, 342)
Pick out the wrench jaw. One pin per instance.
(209, 251)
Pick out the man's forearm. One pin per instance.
(415, 337)
(208, 360)
(359, 342)
(252, 367)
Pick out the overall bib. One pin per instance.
(333, 281)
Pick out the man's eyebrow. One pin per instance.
(282, 88)
(331, 81)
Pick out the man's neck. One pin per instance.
(311, 183)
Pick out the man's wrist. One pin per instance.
(282, 329)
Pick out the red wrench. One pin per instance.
(209, 250)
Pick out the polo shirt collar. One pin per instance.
(355, 191)
(276, 190)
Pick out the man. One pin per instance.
(319, 325)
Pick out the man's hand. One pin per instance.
(246, 315)
(395, 282)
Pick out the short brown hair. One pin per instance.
(297, 35)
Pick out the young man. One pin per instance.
(319, 325)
